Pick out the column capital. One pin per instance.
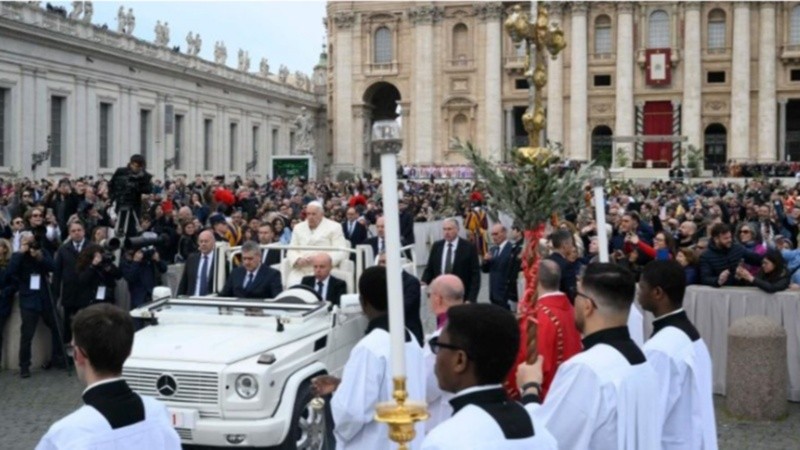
(782, 102)
(425, 15)
(579, 7)
(489, 10)
(626, 7)
(344, 19)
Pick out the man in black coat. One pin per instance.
(378, 242)
(412, 301)
(65, 276)
(462, 262)
(252, 279)
(193, 272)
(719, 261)
(354, 232)
(328, 287)
(497, 263)
(563, 251)
(406, 224)
(126, 188)
(266, 236)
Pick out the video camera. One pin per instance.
(147, 241)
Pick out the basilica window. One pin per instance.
(602, 35)
(794, 26)
(383, 46)
(57, 129)
(4, 101)
(461, 43)
(208, 129)
(658, 33)
(461, 127)
(105, 134)
(716, 28)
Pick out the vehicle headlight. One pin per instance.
(246, 386)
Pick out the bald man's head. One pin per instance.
(445, 291)
(205, 241)
(323, 264)
(549, 276)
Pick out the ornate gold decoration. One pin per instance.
(542, 38)
(401, 415)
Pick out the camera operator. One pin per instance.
(142, 269)
(126, 188)
(97, 276)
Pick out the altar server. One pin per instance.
(474, 352)
(366, 379)
(602, 397)
(113, 415)
(681, 360)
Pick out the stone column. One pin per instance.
(555, 88)
(510, 128)
(766, 84)
(782, 129)
(343, 91)
(21, 159)
(692, 76)
(361, 155)
(578, 85)
(79, 162)
(422, 18)
(740, 83)
(624, 86)
(493, 92)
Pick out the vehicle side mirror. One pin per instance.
(349, 304)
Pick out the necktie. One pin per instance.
(495, 251)
(320, 285)
(204, 277)
(448, 259)
(78, 247)
(350, 229)
(380, 245)
(248, 280)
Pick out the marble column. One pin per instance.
(691, 123)
(510, 128)
(766, 84)
(625, 117)
(493, 92)
(343, 91)
(555, 88)
(422, 19)
(578, 84)
(740, 83)
(21, 160)
(782, 129)
(78, 160)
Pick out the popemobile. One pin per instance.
(237, 372)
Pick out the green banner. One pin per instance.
(290, 168)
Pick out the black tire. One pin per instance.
(310, 429)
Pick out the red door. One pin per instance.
(658, 121)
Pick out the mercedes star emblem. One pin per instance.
(166, 385)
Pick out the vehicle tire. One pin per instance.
(311, 429)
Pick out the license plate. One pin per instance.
(183, 418)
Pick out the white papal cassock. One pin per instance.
(439, 408)
(485, 419)
(327, 234)
(683, 364)
(602, 397)
(367, 381)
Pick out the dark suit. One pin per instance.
(499, 268)
(412, 296)
(569, 275)
(406, 228)
(266, 283)
(189, 277)
(272, 257)
(373, 242)
(465, 266)
(358, 236)
(336, 287)
(65, 286)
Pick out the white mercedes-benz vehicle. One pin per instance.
(237, 372)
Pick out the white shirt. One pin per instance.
(17, 241)
(366, 381)
(209, 263)
(454, 242)
(685, 395)
(438, 400)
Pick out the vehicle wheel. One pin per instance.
(311, 428)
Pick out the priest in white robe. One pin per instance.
(681, 360)
(601, 398)
(474, 353)
(113, 416)
(367, 379)
(315, 231)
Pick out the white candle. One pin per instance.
(397, 320)
(600, 220)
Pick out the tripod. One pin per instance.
(127, 222)
(57, 322)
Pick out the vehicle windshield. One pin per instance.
(220, 306)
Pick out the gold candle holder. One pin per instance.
(401, 415)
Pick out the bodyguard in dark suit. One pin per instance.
(266, 236)
(563, 245)
(412, 301)
(194, 281)
(328, 287)
(378, 242)
(457, 256)
(354, 232)
(497, 263)
(252, 279)
(65, 275)
(29, 268)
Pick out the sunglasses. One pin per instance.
(435, 345)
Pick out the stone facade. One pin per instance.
(734, 89)
(117, 95)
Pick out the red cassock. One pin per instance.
(557, 338)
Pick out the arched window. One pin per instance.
(383, 46)
(602, 35)
(794, 26)
(461, 127)
(716, 28)
(460, 43)
(658, 30)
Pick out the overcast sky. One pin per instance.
(284, 32)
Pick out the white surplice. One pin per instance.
(327, 234)
(599, 400)
(636, 325)
(439, 408)
(687, 404)
(367, 381)
(87, 429)
(472, 427)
